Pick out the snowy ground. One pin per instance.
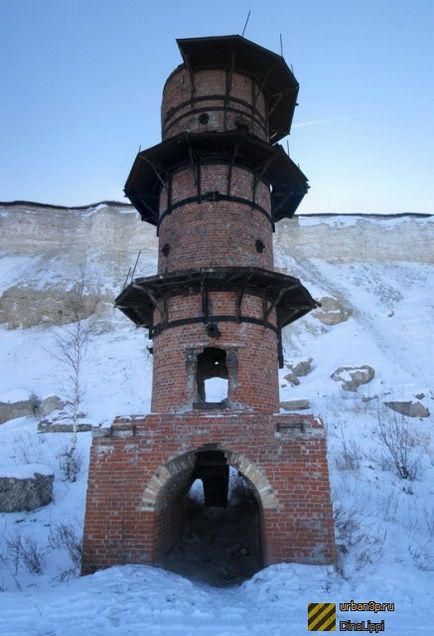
(384, 524)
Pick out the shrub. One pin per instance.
(400, 443)
(35, 403)
(66, 537)
(348, 458)
(26, 552)
(70, 462)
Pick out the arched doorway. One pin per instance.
(209, 516)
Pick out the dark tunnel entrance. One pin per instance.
(220, 541)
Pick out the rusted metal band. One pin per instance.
(205, 109)
(215, 197)
(253, 112)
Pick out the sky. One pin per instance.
(81, 84)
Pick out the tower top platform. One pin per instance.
(269, 70)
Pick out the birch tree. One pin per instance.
(70, 348)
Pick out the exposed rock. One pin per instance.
(295, 405)
(11, 410)
(302, 368)
(292, 379)
(332, 312)
(22, 307)
(50, 404)
(45, 426)
(411, 409)
(367, 240)
(419, 396)
(25, 487)
(353, 377)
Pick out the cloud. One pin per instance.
(319, 122)
(313, 122)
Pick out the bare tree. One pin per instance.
(401, 443)
(71, 346)
(70, 349)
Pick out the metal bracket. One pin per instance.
(205, 299)
(240, 295)
(154, 168)
(231, 167)
(192, 161)
(162, 307)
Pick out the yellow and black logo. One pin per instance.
(321, 617)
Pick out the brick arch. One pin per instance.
(256, 475)
(175, 470)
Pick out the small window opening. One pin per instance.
(260, 247)
(212, 330)
(212, 376)
(203, 118)
(166, 249)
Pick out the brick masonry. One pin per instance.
(253, 379)
(139, 471)
(178, 114)
(214, 234)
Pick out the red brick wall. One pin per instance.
(207, 83)
(171, 518)
(219, 233)
(254, 383)
(214, 234)
(123, 525)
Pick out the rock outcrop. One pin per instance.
(295, 405)
(353, 377)
(291, 378)
(32, 406)
(410, 409)
(301, 368)
(332, 312)
(23, 307)
(24, 488)
(298, 370)
(45, 426)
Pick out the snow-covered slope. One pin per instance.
(375, 278)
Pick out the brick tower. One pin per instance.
(214, 188)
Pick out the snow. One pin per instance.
(384, 524)
(26, 471)
(12, 268)
(26, 354)
(145, 600)
(216, 389)
(14, 395)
